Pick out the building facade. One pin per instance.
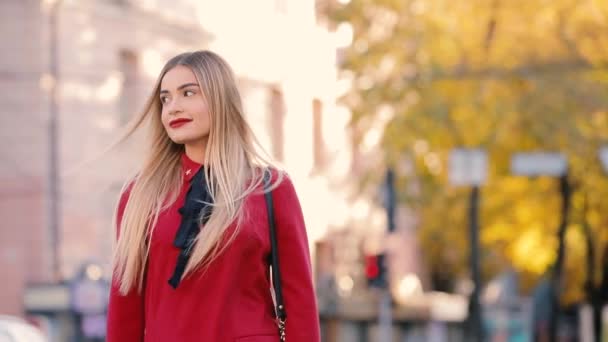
(73, 73)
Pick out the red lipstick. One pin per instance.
(178, 122)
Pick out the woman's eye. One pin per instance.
(163, 100)
(188, 93)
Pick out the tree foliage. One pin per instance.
(506, 76)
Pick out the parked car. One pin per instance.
(15, 329)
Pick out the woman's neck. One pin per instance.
(196, 152)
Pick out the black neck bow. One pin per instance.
(195, 212)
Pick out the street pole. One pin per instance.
(385, 316)
(555, 165)
(391, 200)
(385, 309)
(475, 312)
(54, 187)
(468, 167)
(556, 283)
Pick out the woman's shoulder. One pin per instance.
(273, 179)
(278, 178)
(282, 186)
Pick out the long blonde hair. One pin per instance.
(233, 159)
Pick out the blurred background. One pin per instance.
(451, 157)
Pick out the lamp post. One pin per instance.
(385, 309)
(553, 165)
(468, 167)
(54, 188)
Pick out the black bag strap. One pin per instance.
(274, 256)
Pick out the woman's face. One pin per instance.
(185, 114)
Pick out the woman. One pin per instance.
(191, 259)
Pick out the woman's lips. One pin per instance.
(178, 122)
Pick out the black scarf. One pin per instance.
(196, 206)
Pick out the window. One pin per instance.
(129, 92)
(317, 134)
(277, 117)
(280, 6)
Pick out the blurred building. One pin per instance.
(72, 73)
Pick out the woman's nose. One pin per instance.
(174, 107)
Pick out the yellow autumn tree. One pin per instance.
(506, 76)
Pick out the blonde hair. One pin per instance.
(233, 160)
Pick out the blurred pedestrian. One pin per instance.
(193, 244)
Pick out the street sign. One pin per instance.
(46, 298)
(468, 167)
(539, 164)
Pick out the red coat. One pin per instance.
(230, 301)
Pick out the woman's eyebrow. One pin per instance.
(181, 87)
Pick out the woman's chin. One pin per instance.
(181, 140)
